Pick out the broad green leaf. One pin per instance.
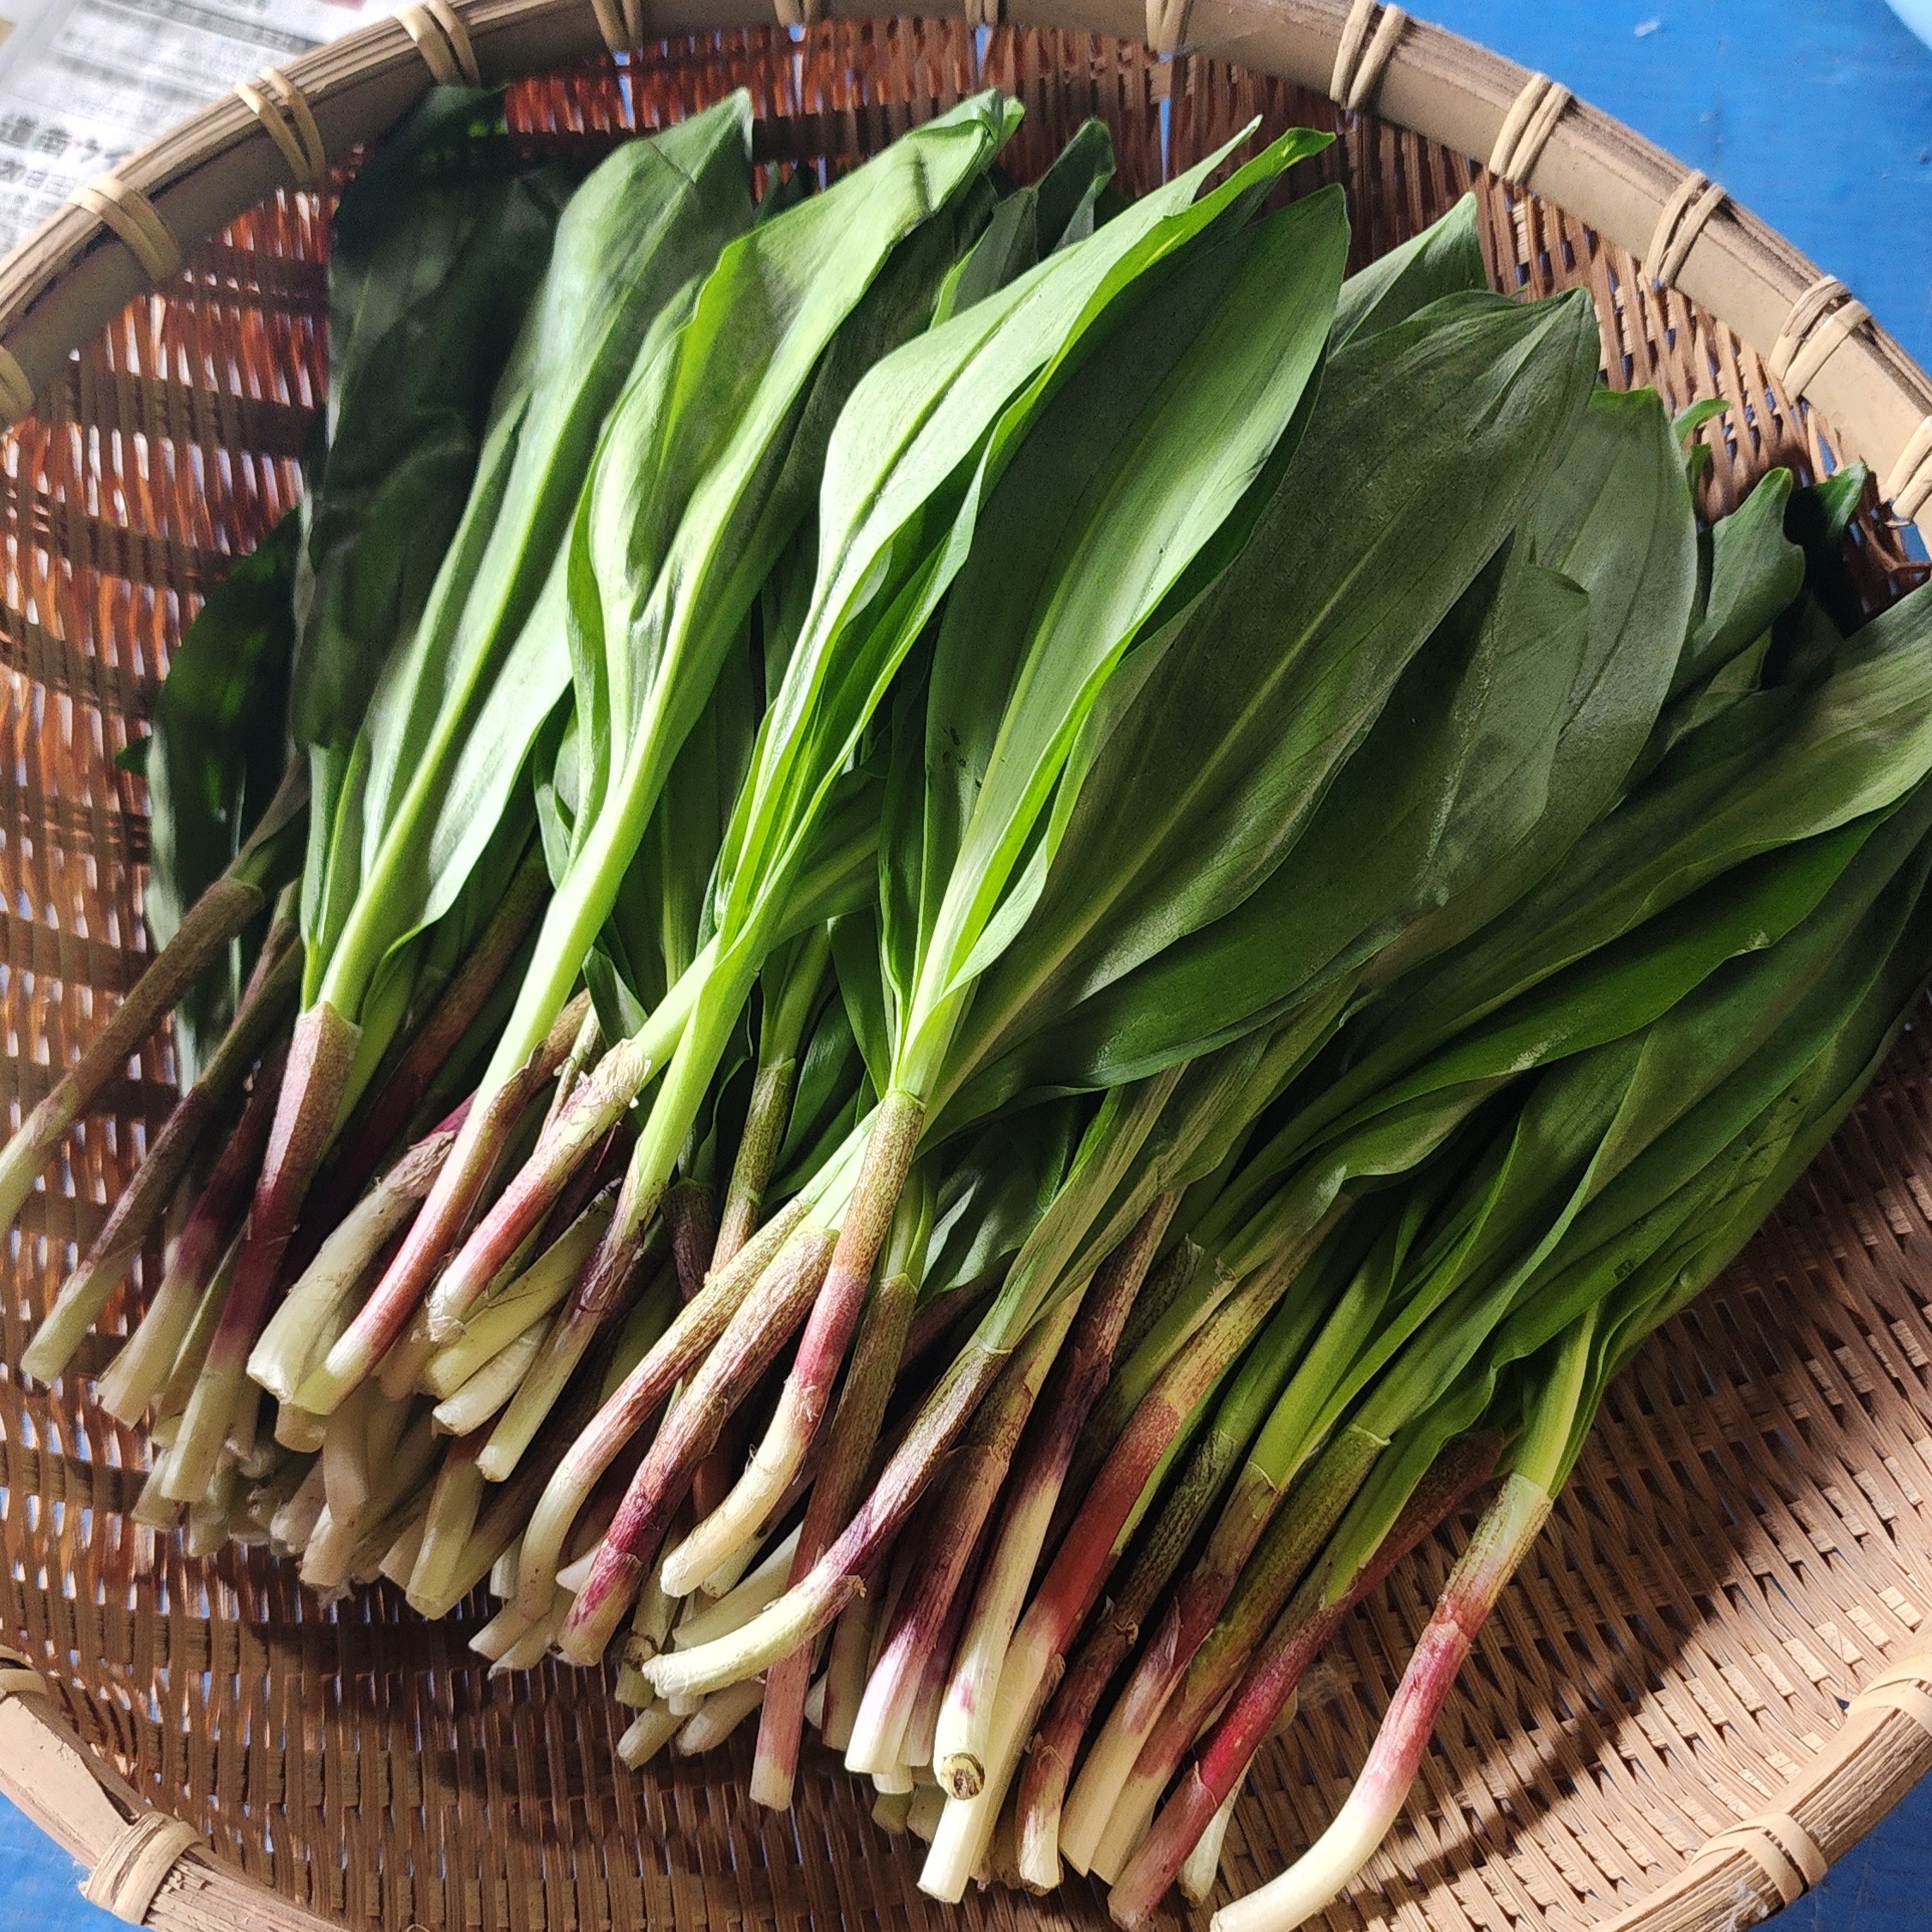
(1775, 767)
(1754, 574)
(1129, 472)
(1445, 259)
(1032, 221)
(707, 471)
(923, 438)
(216, 752)
(435, 252)
(1387, 512)
(1471, 726)
(646, 220)
(1616, 520)
(925, 435)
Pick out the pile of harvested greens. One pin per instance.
(996, 930)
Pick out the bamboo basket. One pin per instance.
(1717, 1673)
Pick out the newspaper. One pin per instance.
(83, 83)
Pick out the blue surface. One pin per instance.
(1818, 114)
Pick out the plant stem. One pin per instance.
(854, 1429)
(1172, 1723)
(703, 1621)
(649, 1731)
(454, 1502)
(1203, 1867)
(582, 1055)
(1044, 1833)
(1166, 1282)
(381, 1119)
(386, 1313)
(812, 1604)
(507, 1506)
(765, 1120)
(965, 1715)
(608, 1289)
(199, 1113)
(698, 1326)
(1273, 1679)
(1509, 1528)
(835, 1314)
(221, 913)
(928, 1683)
(1079, 1573)
(319, 1060)
(471, 1408)
(514, 1309)
(764, 1321)
(567, 1145)
(846, 1659)
(718, 1716)
(137, 1373)
(694, 1239)
(1503, 1538)
(918, 1634)
(315, 1310)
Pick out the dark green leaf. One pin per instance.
(217, 752)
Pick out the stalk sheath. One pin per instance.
(854, 1429)
(1273, 1679)
(1503, 1538)
(199, 1113)
(764, 1321)
(220, 915)
(965, 1723)
(387, 1312)
(827, 1333)
(925, 1626)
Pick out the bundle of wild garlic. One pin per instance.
(1023, 928)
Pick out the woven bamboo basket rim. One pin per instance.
(1815, 340)
(76, 271)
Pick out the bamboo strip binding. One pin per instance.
(1363, 56)
(283, 110)
(442, 40)
(360, 1782)
(136, 1865)
(1681, 220)
(1526, 129)
(123, 207)
(1822, 322)
(1781, 1848)
(1908, 484)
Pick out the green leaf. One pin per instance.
(1688, 422)
(1031, 222)
(924, 436)
(1817, 520)
(1445, 259)
(441, 763)
(1616, 520)
(1129, 474)
(216, 752)
(707, 471)
(435, 252)
(1775, 768)
(996, 1192)
(1754, 574)
(1471, 725)
(1388, 511)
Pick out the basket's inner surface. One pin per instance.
(1746, 1540)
